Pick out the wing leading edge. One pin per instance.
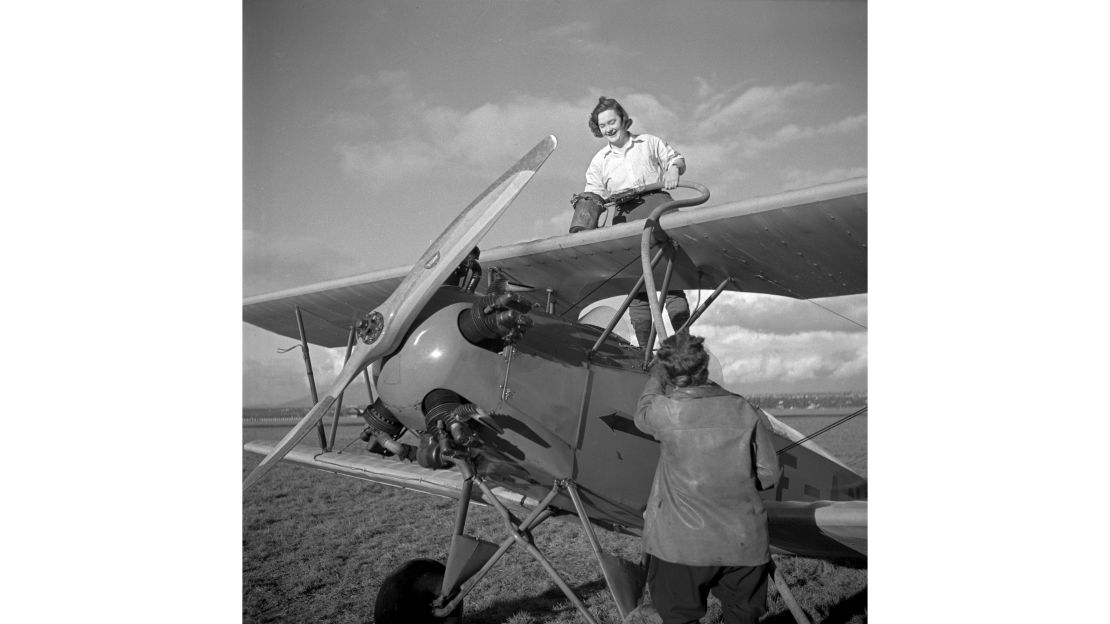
(804, 244)
(404, 475)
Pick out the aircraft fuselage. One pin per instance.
(564, 416)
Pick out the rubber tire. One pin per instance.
(406, 595)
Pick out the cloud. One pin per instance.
(725, 132)
(793, 133)
(650, 115)
(386, 84)
(272, 263)
(755, 107)
(830, 360)
(378, 163)
(555, 225)
(276, 378)
(774, 344)
(351, 123)
(844, 126)
(782, 315)
(578, 28)
(719, 154)
(431, 138)
(580, 37)
(491, 133)
(728, 132)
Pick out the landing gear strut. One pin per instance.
(470, 559)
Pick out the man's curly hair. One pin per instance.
(604, 104)
(684, 359)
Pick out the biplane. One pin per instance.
(502, 396)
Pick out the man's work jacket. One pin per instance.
(716, 455)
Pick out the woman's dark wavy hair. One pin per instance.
(684, 359)
(604, 104)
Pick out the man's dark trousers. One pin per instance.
(679, 592)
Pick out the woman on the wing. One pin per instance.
(626, 161)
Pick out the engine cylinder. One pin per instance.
(380, 420)
(438, 405)
(497, 315)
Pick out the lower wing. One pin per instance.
(835, 530)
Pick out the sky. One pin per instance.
(368, 126)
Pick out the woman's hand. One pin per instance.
(670, 177)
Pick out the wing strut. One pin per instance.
(470, 559)
(657, 325)
(623, 307)
(520, 532)
(625, 580)
(701, 309)
(311, 377)
(787, 596)
(326, 443)
(339, 399)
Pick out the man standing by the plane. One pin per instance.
(705, 527)
(627, 161)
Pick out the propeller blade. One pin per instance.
(387, 324)
(361, 357)
(447, 251)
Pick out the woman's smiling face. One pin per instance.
(612, 127)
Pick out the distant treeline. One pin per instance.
(809, 400)
(275, 413)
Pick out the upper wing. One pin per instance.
(803, 244)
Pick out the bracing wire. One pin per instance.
(829, 310)
(349, 444)
(819, 432)
(603, 282)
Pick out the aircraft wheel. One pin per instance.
(406, 595)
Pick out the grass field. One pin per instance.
(316, 547)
